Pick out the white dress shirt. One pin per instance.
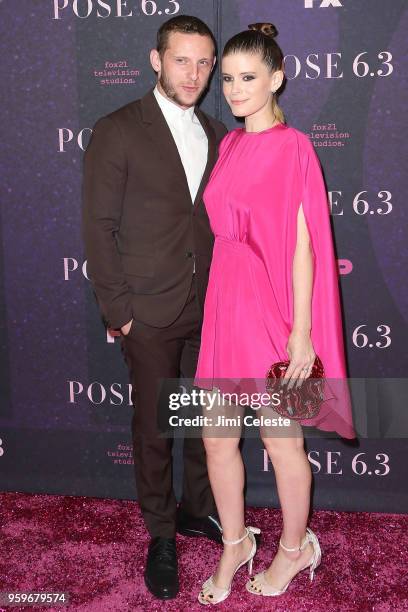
(190, 138)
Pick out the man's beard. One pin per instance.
(170, 91)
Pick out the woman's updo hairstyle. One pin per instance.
(259, 38)
(266, 28)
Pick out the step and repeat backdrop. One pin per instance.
(65, 408)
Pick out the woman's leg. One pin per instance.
(226, 474)
(293, 479)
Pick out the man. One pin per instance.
(148, 244)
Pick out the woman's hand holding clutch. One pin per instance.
(298, 399)
(301, 358)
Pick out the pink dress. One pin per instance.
(252, 200)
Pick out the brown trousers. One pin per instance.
(151, 354)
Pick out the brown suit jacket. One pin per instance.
(141, 230)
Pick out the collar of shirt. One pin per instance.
(171, 111)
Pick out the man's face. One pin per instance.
(185, 67)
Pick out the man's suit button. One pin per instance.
(189, 254)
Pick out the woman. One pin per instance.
(272, 296)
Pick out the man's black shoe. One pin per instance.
(161, 573)
(207, 526)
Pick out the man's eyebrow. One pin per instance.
(185, 57)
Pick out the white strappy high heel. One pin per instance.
(258, 584)
(210, 593)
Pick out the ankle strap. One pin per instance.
(237, 541)
(301, 547)
(246, 534)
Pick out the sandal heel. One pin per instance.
(258, 585)
(210, 593)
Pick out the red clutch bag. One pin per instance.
(297, 403)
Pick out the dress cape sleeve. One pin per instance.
(327, 330)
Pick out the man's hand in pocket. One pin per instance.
(125, 329)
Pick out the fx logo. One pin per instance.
(323, 3)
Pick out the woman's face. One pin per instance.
(248, 84)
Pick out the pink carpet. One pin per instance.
(95, 550)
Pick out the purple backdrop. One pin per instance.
(65, 410)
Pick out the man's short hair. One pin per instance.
(185, 24)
